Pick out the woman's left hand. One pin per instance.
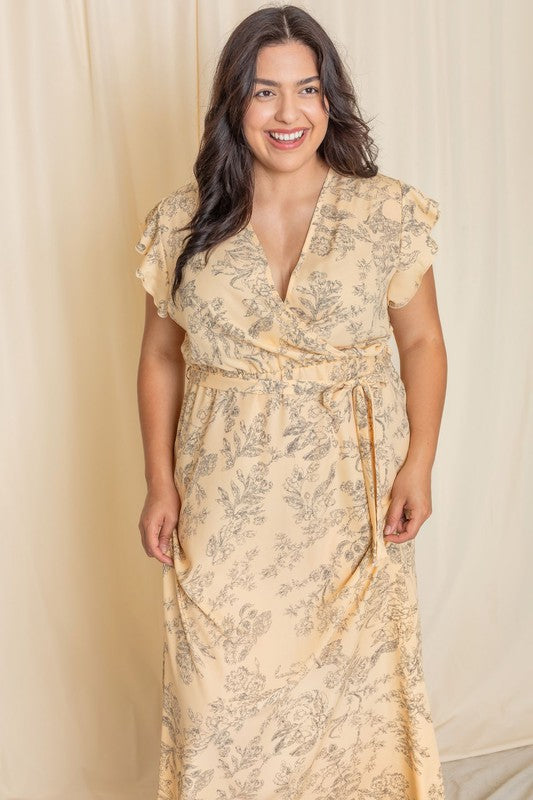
(410, 504)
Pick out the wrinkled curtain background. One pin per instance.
(102, 108)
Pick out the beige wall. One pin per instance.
(102, 107)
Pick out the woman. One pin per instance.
(292, 665)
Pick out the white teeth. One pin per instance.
(287, 137)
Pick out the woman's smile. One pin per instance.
(287, 140)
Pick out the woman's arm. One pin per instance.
(423, 369)
(160, 384)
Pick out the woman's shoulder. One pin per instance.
(389, 185)
(167, 221)
(181, 202)
(376, 188)
(407, 193)
(384, 187)
(372, 182)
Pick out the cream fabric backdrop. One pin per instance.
(102, 106)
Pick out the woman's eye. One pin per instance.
(313, 89)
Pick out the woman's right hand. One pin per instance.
(159, 518)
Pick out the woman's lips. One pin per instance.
(287, 145)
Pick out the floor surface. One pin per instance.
(507, 775)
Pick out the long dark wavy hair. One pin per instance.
(224, 166)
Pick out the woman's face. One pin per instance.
(280, 104)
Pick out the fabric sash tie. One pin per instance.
(363, 372)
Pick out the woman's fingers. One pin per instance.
(161, 544)
(158, 537)
(410, 504)
(407, 528)
(393, 519)
(158, 521)
(405, 522)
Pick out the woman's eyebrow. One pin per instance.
(296, 83)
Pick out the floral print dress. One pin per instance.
(292, 664)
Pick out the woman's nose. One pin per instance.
(287, 109)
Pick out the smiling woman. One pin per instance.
(292, 116)
(292, 663)
(291, 119)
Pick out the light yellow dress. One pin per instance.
(292, 664)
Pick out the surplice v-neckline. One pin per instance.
(267, 272)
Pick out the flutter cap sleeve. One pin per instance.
(155, 270)
(419, 214)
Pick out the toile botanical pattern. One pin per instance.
(292, 663)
